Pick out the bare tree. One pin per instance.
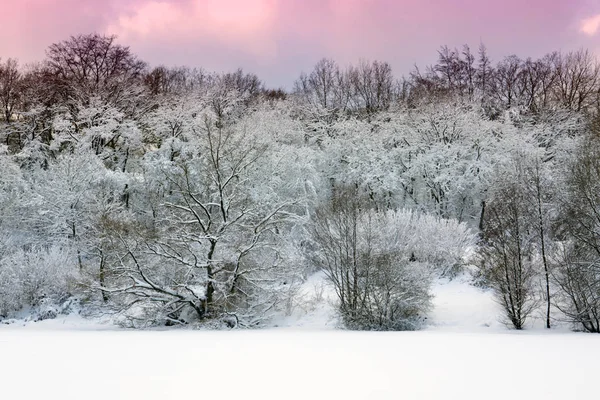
(469, 72)
(578, 270)
(579, 284)
(537, 77)
(373, 85)
(247, 85)
(506, 81)
(449, 67)
(376, 284)
(325, 88)
(577, 79)
(539, 194)
(162, 80)
(10, 95)
(94, 65)
(231, 93)
(484, 72)
(506, 253)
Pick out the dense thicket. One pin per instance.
(175, 195)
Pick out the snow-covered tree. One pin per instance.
(206, 242)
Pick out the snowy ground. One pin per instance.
(464, 354)
(291, 364)
(459, 306)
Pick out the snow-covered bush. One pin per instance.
(381, 263)
(577, 273)
(441, 244)
(38, 278)
(578, 296)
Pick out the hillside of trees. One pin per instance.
(172, 196)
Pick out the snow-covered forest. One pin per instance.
(178, 196)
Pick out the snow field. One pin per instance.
(465, 353)
(291, 364)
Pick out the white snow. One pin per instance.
(313, 306)
(290, 364)
(464, 354)
(460, 306)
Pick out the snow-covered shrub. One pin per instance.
(577, 273)
(38, 278)
(369, 260)
(439, 243)
(579, 293)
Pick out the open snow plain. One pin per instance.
(464, 354)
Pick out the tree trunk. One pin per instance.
(543, 243)
(210, 287)
(102, 276)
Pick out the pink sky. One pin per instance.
(277, 39)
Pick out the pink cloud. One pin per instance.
(243, 25)
(28, 27)
(590, 25)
